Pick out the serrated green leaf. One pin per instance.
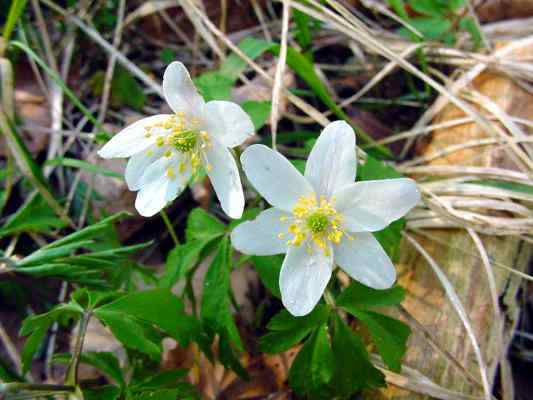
(312, 369)
(202, 226)
(34, 215)
(353, 369)
(107, 392)
(216, 288)
(360, 297)
(129, 331)
(105, 362)
(159, 307)
(284, 321)
(227, 355)
(269, 268)
(36, 326)
(289, 331)
(388, 334)
(181, 260)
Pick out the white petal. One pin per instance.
(303, 278)
(157, 188)
(274, 177)
(131, 139)
(332, 163)
(364, 260)
(138, 164)
(372, 205)
(227, 122)
(152, 197)
(180, 92)
(225, 179)
(259, 237)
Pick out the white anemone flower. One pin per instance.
(321, 219)
(167, 149)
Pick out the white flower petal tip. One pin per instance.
(228, 122)
(261, 236)
(274, 177)
(364, 260)
(224, 175)
(180, 92)
(332, 163)
(304, 278)
(372, 205)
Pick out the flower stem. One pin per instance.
(169, 226)
(329, 299)
(72, 371)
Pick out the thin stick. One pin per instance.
(280, 71)
(169, 226)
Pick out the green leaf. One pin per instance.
(228, 355)
(269, 268)
(429, 7)
(167, 55)
(125, 90)
(184, 391)
(360, 297)
(388, 334)
(107, 392)
(258, 111)
(215, 303)
(214, 86)
(15, 11)
(312, 370)
(84, 165)
(181, 260)
(374, 169)
(469, 25)
(34, 215)
(399, 8)
(289, 331)
(233, 65)
(155, 306)
(160, 380)
(432, 28)
(353, 369)
(130, 332)
(37, 326)
(105, 362)
(202, 226)
(303, 30)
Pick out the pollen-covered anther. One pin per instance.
(314, 222)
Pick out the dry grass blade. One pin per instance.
(461, 312)
(280, 71)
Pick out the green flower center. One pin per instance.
(318, 222)
(184, 141)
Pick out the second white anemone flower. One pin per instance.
(321, 219)
(167, 149)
